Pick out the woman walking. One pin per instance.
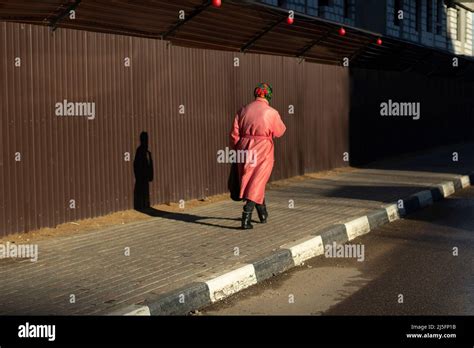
(255, 126)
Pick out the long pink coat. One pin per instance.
(255, 126)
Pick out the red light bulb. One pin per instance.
(342, 31)
(379, 41)
(216, 3)
(289, 20)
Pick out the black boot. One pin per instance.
(262, 213)
(247, 220)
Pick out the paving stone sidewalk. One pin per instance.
(171, 251)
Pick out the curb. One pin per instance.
(198, 295)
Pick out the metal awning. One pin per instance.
(243, 26)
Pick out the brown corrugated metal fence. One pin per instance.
(72, 158)
(446, 113)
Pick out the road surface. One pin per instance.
(410, 267)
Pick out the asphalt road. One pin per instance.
(412, 257)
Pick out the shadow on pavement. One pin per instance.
(196, 219)
(344, 189)
(452, 159)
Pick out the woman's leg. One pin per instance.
(248, 207)
(262, 212)
(247, 215)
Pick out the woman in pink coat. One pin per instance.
(255, 126)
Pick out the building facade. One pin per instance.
(442, 24)
(342, 11)
(434, 23)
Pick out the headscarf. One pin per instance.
(263, 90)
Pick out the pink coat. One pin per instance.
(255, 126)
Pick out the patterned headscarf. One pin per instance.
(263, 90)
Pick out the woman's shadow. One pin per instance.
(144, 173)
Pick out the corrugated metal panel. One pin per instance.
(66, 158)
(73, 158)
(446, 113)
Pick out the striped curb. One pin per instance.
(198, 295)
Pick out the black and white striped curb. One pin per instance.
(201, 294)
